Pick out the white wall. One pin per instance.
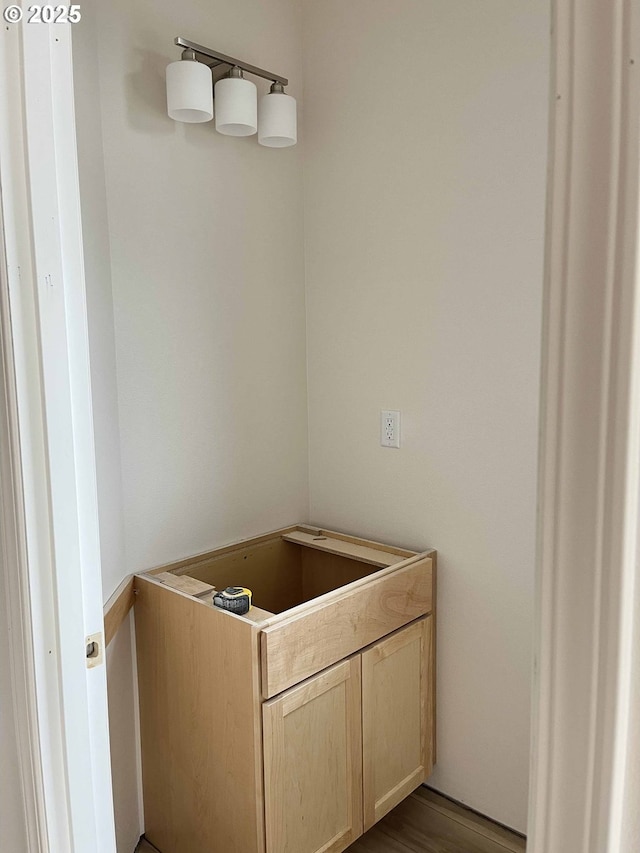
(122, 689)
(425, 143)
(208, 287)
(195, 290)
(124, 736)
(196, 241)
(97, 259)
(424, 158)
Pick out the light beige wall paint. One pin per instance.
(195, 289)
(122, 688)
(425, 147)
(125, 747)
(97, 260)
(425, 129)
(208, 287)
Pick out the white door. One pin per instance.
(45, 343)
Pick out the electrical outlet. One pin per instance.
(390, 428)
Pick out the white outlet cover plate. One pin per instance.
(390, 428)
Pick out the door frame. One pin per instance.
(589, 464)
(590, 436)
(55, 571)
(15, 589)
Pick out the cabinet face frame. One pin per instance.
(377, 735)
(280, 799)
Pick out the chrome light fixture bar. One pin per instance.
(222, 59)
(191, 90)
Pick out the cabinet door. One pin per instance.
(313, 763)
(397, 717)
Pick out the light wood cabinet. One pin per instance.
(293, 728)
(313, 763)
(356, 739)
(396, 718)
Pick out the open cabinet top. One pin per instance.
(288, 571)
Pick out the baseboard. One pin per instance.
(145, 846)
(463, 806)
(117, 608)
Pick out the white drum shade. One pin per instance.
(236, 107)
(189, 91)
(277, 121)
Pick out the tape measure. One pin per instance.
(237, 599)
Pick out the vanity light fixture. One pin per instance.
(203, 72)
(277, 118)
(236, 104)
(189, 89)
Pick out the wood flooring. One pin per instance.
(427, 823)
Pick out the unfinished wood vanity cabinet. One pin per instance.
(296, 727)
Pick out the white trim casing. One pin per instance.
(49, 328)
(19, 331)
(14, 590)
(590, 444)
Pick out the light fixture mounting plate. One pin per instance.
(219, 59)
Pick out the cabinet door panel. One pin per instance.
(397, 718)
(313, 763)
